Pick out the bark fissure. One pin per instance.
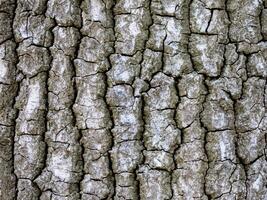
(133, 99)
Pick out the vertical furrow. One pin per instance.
(32, 71)
(61, 175)
(133, 99)
(132, 21)
(250, 110)
(8, 93)
(164, 61)
(92, 113)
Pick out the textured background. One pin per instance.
(133, 99)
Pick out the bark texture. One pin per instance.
(133, 99)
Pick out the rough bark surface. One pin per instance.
(133, 99)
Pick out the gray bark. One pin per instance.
(133, 99)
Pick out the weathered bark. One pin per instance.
(133, 99)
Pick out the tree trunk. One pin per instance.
(133, 99)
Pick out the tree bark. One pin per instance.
(133, 99)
